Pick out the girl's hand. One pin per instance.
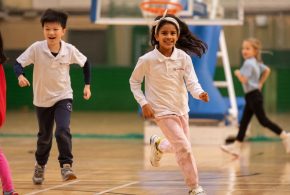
(204, 96)
(237, 73)
(87, 92)
(241, 78)
(147, 111)
(260, 86)
(22, 81)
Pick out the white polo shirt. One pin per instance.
(167, 80)
(51, 79)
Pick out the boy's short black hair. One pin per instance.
(51, 15)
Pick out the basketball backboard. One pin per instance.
(194, 12)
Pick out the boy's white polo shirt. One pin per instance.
(167, 80)
(51, 79)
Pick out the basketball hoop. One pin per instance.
(157, 7)
(152, 8)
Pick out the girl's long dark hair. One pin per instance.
(186, 42)
(2, 56)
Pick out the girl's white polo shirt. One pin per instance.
(51, 79)
(167, 80)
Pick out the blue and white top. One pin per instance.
(252, 70)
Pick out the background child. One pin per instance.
(5, 173)
(52, 90)
(253, 75)
(169, 73)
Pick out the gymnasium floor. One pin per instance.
(111, 159)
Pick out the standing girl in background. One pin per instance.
(169, 73)
(5, 173)
(253, 75)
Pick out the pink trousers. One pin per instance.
(176, 130)
(5, 174)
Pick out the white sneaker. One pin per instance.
(67, 173)
(233, 149)
(197, 191)
(38, 175)
(155, 155)
(286, 143)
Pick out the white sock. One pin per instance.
(284, 135)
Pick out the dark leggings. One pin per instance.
(254, 105)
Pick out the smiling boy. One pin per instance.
(52, 92)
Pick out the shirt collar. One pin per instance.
(162, 58)
(61, 51)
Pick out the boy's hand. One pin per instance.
(147, 111)
(22, 81)
(87, 92)
(204, 96)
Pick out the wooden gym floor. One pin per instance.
(111, 159)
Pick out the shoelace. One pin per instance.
(39, 171)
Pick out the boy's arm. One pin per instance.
(19, 71)
(87, 79)
(264, 77)
(87, 73)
